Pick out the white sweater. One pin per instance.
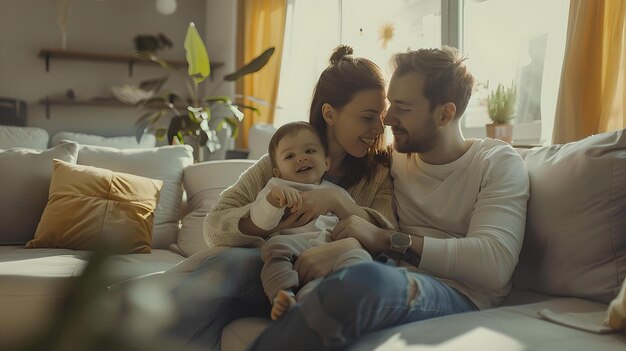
(265, 216)
(471, 213)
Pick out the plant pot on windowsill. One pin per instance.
(502, 131)
(501, 107)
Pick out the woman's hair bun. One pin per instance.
(340, 52)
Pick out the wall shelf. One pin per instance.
(102, 102)
(130, 59)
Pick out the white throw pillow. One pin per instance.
(259, 138)
(165, 163)
(204, 182)
(121, 142)
(34, 138)
(24, 182)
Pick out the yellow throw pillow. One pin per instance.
(616, 315)
(87, 205)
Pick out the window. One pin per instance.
(379, 29)
(506, 41)
(375, 29)
(514, 42)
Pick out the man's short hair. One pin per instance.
(447, 78)
(291, 129)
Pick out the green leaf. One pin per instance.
(235, 111)
(203, 138)
(213, 142)
(221, 99)
(197, 57)
(233, 126)
(148, 116)
(251, 66)
(252, 108)
(176, 124)
(199, 113)
(254, 99)
(148, 119)
(160, 133)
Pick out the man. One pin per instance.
(461, 206)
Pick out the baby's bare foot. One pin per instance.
(282, 304)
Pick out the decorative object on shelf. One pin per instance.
(501, 108)
(12, 112)
(62, 6)
(131, 94)
(166, 7)
(197, 123)
(152, 43)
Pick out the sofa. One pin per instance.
(572, 264)
(35, 281)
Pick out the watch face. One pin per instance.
(400, 241)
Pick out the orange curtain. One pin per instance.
(591, 94)
(263, 27)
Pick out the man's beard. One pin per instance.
(424, 143)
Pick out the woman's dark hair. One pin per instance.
(339, 82)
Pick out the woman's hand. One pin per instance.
(318, 261)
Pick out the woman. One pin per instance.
(347, 110)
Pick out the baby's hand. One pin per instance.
(285, 196)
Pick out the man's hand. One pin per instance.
(318, 261)
(372, 238)
(285, 196)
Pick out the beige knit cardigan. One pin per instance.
(221, 225)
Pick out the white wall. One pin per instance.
(102, 26)
(221, 40)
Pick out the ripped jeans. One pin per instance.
(225, 287)
(359, 300)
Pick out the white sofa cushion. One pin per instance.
(575, 243)
(31, 137)
(204, 182)
(34, 283)
(165, 163)
(24, 182)
(121, 142)
(259, 139)
(505, 328)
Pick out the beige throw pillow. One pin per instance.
(165, 163)
(616, 315)
(87, 205)
(575, 242)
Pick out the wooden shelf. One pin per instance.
(131, 59)
(102, 102)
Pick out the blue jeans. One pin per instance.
(359, 300)
(225, 287)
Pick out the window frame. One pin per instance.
(452, 35)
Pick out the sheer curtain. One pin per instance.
(313, 30)
(592, 95)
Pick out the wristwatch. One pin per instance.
(399, 243)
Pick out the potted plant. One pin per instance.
(501, 108)
(190, 116)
